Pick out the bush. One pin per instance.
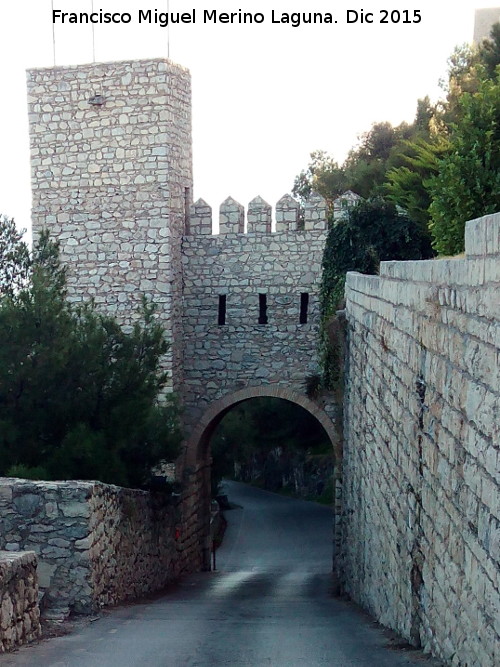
(372, 231)
(468, 183)
(78, 395)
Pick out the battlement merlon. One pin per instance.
(315, 213)
(289, 216)
(231, 217)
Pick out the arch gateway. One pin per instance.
(111, 170)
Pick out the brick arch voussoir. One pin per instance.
(198, 443)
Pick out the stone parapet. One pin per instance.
(482, 236)
(96, 544)
(51, 519)
(421, 497)
(19, 611)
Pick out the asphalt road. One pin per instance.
(268, 603)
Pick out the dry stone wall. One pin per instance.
(256, 277)
(19, 611)
(96, 544)
(133, 548)
(421, 516)
(111, 179)
(51, 519)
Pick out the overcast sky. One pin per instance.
(264, 96)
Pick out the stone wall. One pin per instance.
(421, 516)
(96, 544)
(240, 266)
(195, 536)
(111, 179)
(19, 611)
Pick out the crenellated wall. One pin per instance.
(421, 474)
(234, 271)
(289, 216)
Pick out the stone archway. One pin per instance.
(198, 457)
(198, 442)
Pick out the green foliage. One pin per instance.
(257, 426)
(78, 395)
(373, 231)
(461, 75)
(313, 386)
(489, 52)
(322, 175)
(327, 497)
(366, 165)
(233, 440)
(15, 259)
(468, 66)
(461, 78)
(468, 181)
(47, 270)
(23, 472)
(365, 169)
(407, 185)
(424, 118)
(440, 171)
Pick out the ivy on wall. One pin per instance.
(370, 232)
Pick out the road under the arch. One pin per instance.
(268, 604)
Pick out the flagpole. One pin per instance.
(93, 31)
(168, 29)
(53, 33)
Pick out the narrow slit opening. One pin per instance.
(187, 198)
(304, 304)
(222, 309)
(262, 308)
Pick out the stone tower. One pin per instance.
(483, 22)
(111, 174)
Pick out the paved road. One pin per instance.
(268, 604)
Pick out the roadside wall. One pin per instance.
(96, 544)
(421, 516)
(19, 611)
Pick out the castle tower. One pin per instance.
(111, 174)
(484, 20)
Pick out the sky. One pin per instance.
(264, 95)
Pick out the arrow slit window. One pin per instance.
(222, 309)
(262, 308)
(304, 305)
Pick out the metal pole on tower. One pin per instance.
(93, 32)
(168, 29)
(53, 33)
